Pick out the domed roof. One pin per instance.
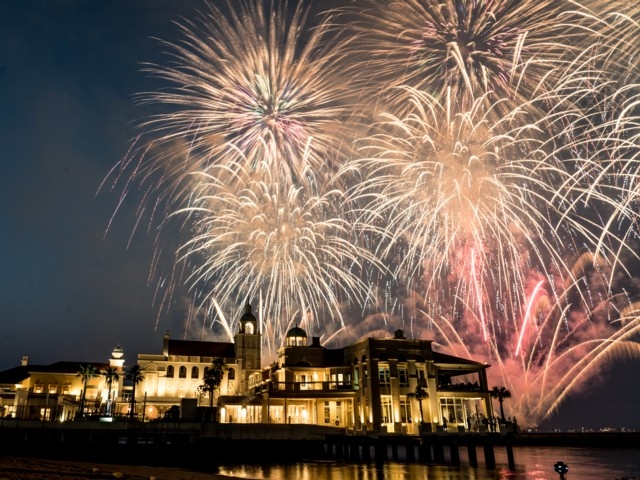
(247, 316)
(296, 332)
(117, 352)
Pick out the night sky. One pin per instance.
(69, 289)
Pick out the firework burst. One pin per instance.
(248, 90)
(255, 118)
(278, 244)
(466, 49)
(497, 173)
(506, 151)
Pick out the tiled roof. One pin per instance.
(202, 349)
(66, 367)
(13, 375)
(450, 359)
(18, 374)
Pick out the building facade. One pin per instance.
(58, 392)
(393, 385)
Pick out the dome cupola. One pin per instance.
(296, 337)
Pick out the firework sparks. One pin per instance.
(255, 102)
(247, 90)
(506, 149)
(277, 243)
(497, 174)
(469, 48)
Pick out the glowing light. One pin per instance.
(527, 315)
(502, 161)
(245, 165)
(494, 174)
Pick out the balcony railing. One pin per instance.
(306, 386)
(460, 387)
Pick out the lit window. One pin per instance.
(385, 405)
(53, 389)
(302, 380)
(405, 410)
(38, 388)
(91, 393)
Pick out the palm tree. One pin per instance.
(212, 378)
(134, 374)
(500, 393)
(419, 394)
(111, 376)
(86, 372)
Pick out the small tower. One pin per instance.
(165, 344)
(296, 337)
(117, 359)
(248, 322)
(248, 342)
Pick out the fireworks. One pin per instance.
(279, 245)
(505, 145)
(497, 176)
(247, 90)
(244, 158)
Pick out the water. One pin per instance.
(532, 463)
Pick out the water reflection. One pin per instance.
(531, 464)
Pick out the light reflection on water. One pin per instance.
(531, 464)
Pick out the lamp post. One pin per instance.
(561, 468)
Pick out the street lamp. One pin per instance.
(561, 468)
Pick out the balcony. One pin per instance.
(309, 386)
(459, 387)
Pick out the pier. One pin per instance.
(201, 443)
(430, 448)
(231, 442)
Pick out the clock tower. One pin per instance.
(248, 343)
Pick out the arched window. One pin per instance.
(183, 372)
(232, 374)
(170, 371)
(195, 372)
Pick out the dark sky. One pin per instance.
(70, 290)
(68, 72)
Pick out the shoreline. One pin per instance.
(28, 467)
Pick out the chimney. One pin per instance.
(165, 344)
(315, 341)
(398, 334)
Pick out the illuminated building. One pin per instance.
(376, 384)
(394, 385)
(54, 392)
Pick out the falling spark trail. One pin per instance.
(416, 164)
(527, 315)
